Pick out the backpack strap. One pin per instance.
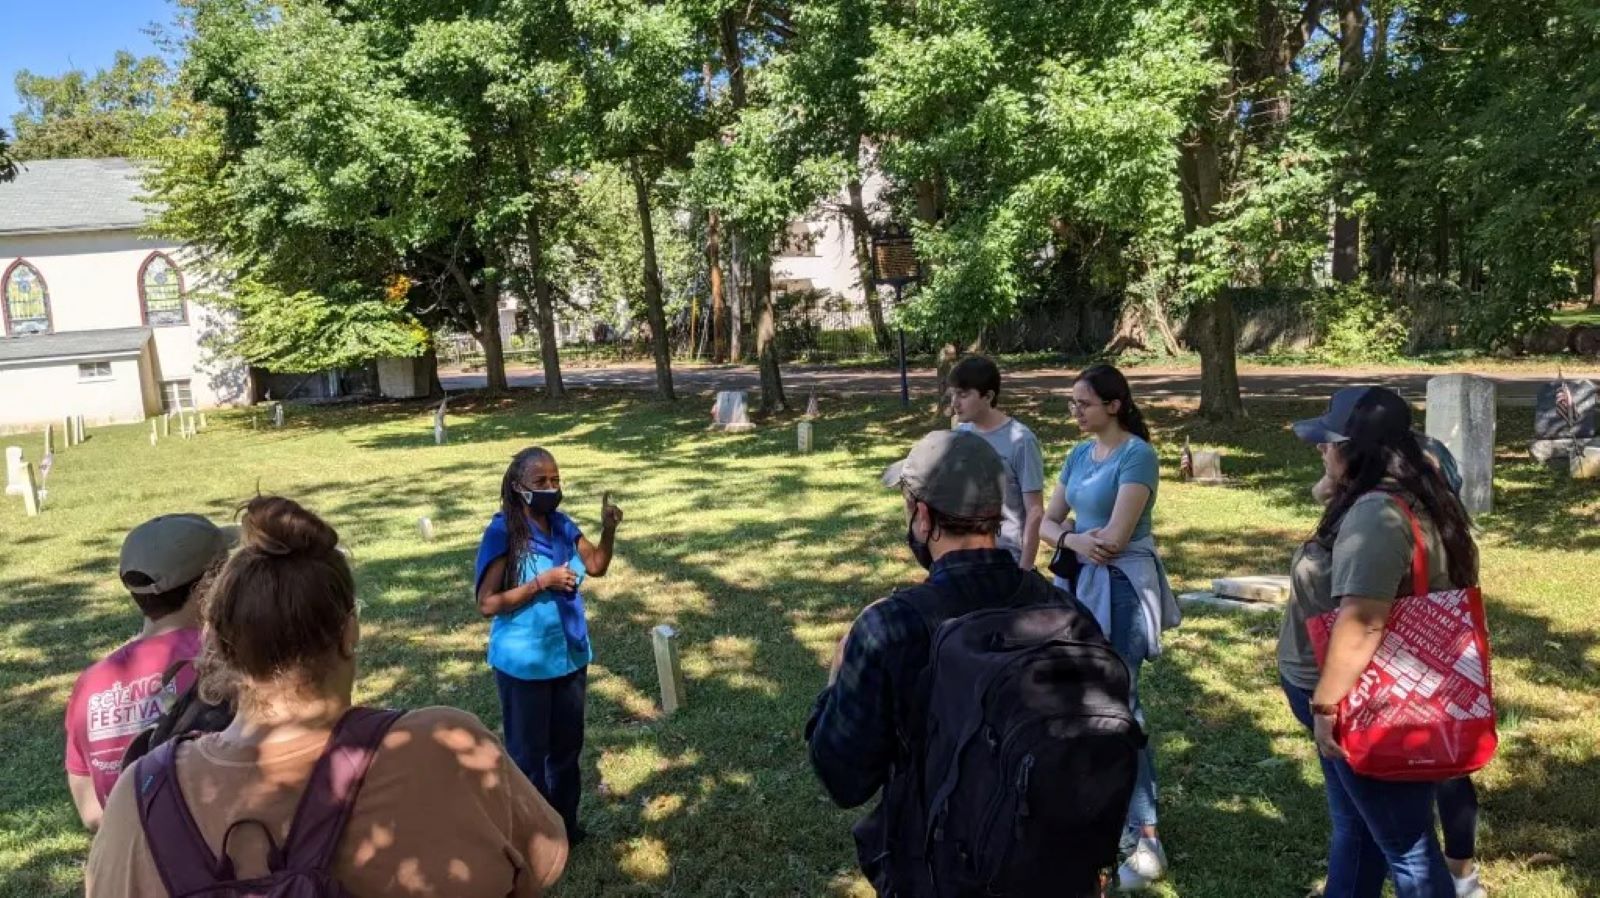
(330, 794)
(183, 859)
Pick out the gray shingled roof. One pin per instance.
(73, 345)
(72, 195)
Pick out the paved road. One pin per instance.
(1514, 387)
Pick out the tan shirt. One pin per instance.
(443, 811)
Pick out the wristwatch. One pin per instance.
(1324, 710)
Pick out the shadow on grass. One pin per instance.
(761, 568)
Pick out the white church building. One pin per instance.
(95, 317)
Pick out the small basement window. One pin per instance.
(94, 371)
(175, 395)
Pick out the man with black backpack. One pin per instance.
(984, 704)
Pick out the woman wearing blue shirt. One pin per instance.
(1109, 484)
(531, 563)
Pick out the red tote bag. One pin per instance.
(1424, 708)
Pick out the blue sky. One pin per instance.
(49, 37)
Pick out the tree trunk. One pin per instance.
(1441, 239)
(430, 367)
(736, 307)
(732, 58)
(1594, 258)
(1380, 258)
(719, 335)
(545, 312)
(767, 337)
(1216, 338)
(486, 308)
(652, 286)
(928, 201)
(1217, 335)
(1346, 225)
(1169, 337)
(862, 226)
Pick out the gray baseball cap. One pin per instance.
(173, 550)
(956, 472)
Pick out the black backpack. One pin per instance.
(189, 714)
(1028, 750)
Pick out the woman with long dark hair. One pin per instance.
(531, 564)
(1359, 560)
(1101, 512)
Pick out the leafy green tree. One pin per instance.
(8, 165)
(119, 111)
(649, 112)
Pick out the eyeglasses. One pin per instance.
(1073, 405)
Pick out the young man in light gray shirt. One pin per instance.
(975, 396)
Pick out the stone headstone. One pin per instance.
(15, 475)
(66, 432)
(153, 435)
(425, 528)
(1212, 600)
(30, 495)
(77, 428)
(664, 644)
(1461, 415)
(166, 424)
(731, 413)
(1202, 466)
(804, 436)
(1271, 589)
(1550, 415)
(440, 434)
(202, 420)
(1587, 465)
(277, 414)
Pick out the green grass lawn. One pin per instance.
(761, 557)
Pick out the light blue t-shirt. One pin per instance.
(1092, 485)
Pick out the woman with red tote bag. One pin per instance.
(1359, 563)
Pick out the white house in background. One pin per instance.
(94, 316)
(818, 253)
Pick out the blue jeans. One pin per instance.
(1380, 829)
(1132, 642)
(543, 720)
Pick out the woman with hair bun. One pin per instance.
(440, 809)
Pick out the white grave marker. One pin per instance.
(664, 641)
(731, 413)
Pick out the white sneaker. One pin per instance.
(1469, 886)
(1145, 865)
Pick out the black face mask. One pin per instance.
(541, 502)
(919, 548)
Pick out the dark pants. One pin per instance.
(1380, 829)
(543, 721)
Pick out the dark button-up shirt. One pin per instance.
(857, 729)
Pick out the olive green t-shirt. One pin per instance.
(1370, 557)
